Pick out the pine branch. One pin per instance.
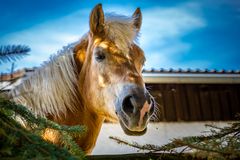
(10, 53)
(17, 141)
(149, 147)
(220, 143)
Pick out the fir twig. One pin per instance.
(18, 141)
(149, 147)
(220, 143)
(9, 53)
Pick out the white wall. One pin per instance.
(158, 134)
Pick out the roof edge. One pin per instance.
(193, 78)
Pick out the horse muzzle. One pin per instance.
(134, 109)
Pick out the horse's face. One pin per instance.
(112, 76)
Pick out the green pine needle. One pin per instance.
(220, 143)
(18, 142)
(11, 53)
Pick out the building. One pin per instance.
(9, 81)
(182, 95)
(195, 95)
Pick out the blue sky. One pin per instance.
(175, 34)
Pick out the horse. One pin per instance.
(95, 79)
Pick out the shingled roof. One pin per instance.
(15, 75)
(162, 70)
(193, 76)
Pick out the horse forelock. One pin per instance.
(121, 31)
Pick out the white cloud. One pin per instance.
(162, 30)
(166, 56)
(47, 38)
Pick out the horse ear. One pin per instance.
(137, 19)
(97, 20)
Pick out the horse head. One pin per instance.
(111, 71)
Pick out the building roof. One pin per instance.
(15, 75)
(195, 71)
(191, 76)
(9, 81)
(161, 76)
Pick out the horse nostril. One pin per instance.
(127, 105)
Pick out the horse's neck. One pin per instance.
(93, 123)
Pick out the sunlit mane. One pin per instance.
(120, 29)
(51, 89)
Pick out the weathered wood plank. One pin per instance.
(197, 102)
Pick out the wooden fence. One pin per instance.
(196, 102)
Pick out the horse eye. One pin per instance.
(100, 57)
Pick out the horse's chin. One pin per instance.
(130, 132)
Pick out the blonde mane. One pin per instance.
(53, 88)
